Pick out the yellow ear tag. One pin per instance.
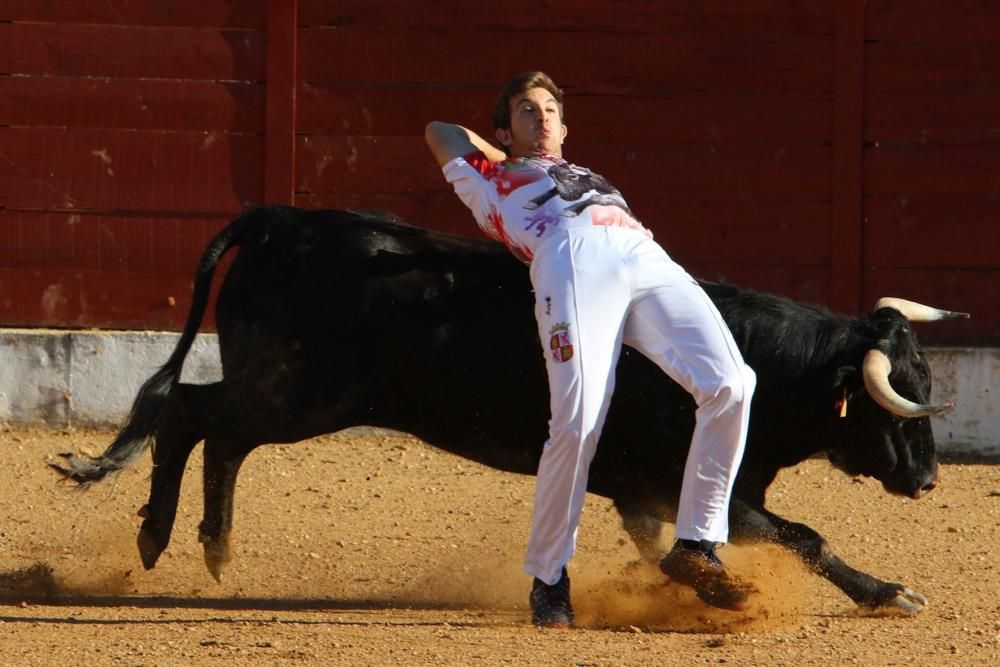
(843, 404)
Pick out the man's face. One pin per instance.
(535, 125)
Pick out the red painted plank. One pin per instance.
(115, 51)
(746, 232)
(938, 21)
(71, 269)
(806, 284)
(35, 240)
(59, 269)
(279, 178)
(206, 13)
(932, 232)
(141, 300)
(114, 300)
(643, 116)
(967, 68)
(975, 292)
(440, 210)
(932, 169)
(373, 165)
(845, 228)
(747, 16)
(127, 104)
(121, 170)
(757, 62)
(929, 118)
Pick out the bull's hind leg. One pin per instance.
(177, 432)
(222, 464)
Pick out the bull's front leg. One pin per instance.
(222, 464)
(644, 524)
(750, 523)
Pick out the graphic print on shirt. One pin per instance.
(494, 228)
(505, 176)
(560, 342)
(574, 182)
(522, 202)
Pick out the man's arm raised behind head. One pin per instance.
(448, 141)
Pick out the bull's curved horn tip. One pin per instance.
(918, 312)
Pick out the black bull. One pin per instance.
(330, 319)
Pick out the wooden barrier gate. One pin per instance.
(831, 151)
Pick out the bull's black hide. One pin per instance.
(331, 319)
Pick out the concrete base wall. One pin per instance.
(87, 378)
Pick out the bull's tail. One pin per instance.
(137, 435)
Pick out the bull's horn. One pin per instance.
(875, 371)
(918, 312)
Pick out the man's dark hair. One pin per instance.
(519, 84)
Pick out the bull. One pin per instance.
(333, 319)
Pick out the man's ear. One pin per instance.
(565, 131)
(505, 136)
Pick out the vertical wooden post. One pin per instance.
(279, 138)
(846, 226)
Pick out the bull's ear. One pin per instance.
(846, 377)
(846, 382)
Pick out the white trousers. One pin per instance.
(599, 287)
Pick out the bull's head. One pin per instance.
(888, 433)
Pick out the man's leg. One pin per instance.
(677, 326)
(580, 305)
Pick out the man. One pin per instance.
(601, 281)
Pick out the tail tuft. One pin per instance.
(139, 432)
(84, 470)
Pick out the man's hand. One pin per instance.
(448, 141)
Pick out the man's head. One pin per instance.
(528, 118)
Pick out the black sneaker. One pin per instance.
(697, 565)
(550, 607)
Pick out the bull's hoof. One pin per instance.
(905, 603)
(217, 555)
(149, 549)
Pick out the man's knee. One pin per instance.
(733, 388)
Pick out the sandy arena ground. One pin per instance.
(370, 548)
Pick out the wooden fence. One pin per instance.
(830, 151)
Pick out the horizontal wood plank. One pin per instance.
(737, 63)
(132, 52)
(131, 104)
(806, 284)
(34, 240)
(80, 299)
(975, 292)
(678, 16)
(937, 21)
(613, 116)
(134, 171)
(205, 13)
(932, 169)
(917, 231)
(932, 118)
(964, 68)
(380, 165)
(94, 270)
(745, 232)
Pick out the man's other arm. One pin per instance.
(448, 141)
